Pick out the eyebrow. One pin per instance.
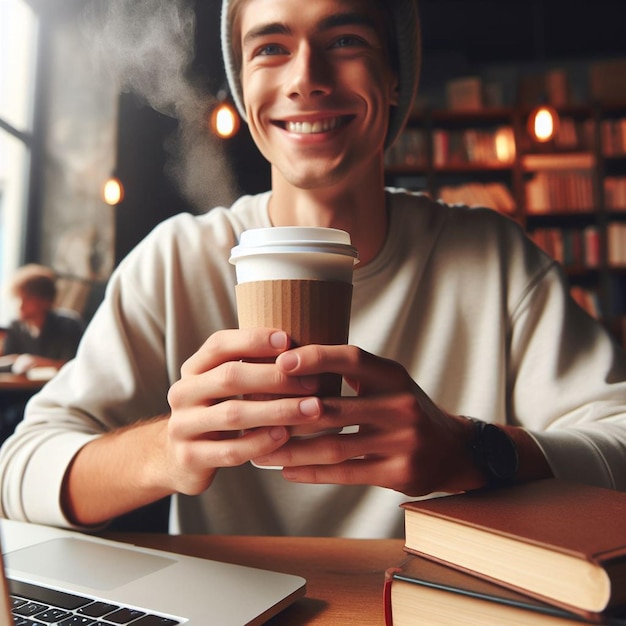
(327, 23)
(274, 28)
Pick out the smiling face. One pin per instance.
(317, 87)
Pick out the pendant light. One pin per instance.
(543, 121)
(224, 119)
(113, 191)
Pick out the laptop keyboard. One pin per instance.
(39, 606)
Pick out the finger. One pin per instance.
(233, 452)
(336, 449)
(238, 378)
(381, 412)
(384, 411)
(351, 472)
(366, 370)
(243, 415)
(234, 344)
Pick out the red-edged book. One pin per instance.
(421, 591)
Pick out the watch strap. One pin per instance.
(494, 452)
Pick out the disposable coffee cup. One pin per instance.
(298, 280)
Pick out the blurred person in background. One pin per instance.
(39, 342)
(42, 336)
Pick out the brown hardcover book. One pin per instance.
(420, 591)
(561, 542)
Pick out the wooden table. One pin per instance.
(19, 383)
(344, 576)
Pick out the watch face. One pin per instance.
(500, 453)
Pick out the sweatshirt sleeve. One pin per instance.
(98, 391)
(567, 378)
(161, 303)
(117, 377)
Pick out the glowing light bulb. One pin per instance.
(224, 120)
(505, 145)
(543, 123)
(113, 191)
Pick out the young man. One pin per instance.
(42, 336)
(455, 313)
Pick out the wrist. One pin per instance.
(114, 474)
(494, 453)
(465, 474)
(533, 464)
(504, 454)
(156, 475)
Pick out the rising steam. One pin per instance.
(148, 47)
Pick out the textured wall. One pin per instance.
(80, 144)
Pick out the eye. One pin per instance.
(348, 41)
(270, 49)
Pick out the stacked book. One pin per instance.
(543, 553)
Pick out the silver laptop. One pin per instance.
(51, 573)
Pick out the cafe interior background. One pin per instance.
(127, 92)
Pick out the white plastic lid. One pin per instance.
(279, 239)
(290, 252)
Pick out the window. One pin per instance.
(18, 35)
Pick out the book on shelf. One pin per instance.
(574, 134)
(492, 195)
(493, 147)
(421, 591)
(465, 94)
(560, 182)
(616, 243)
(559, 161)
(613, 136)
(615, 193)
(572, 247)
(571, 192)
(561, 542)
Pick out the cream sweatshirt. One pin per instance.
(479, 317)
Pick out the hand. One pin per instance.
(211, 426)
(404, 441)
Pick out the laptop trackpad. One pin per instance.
(85, 563)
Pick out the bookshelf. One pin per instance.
(459, 157)
(569, 194)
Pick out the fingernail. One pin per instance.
(278, 432)
(288, 361)
(278, 340)
(310, 407)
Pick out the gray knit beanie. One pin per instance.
(406, 38)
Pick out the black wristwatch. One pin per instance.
(494, 453)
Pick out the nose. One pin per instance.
(310, 74)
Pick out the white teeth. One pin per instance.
(309, 128)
